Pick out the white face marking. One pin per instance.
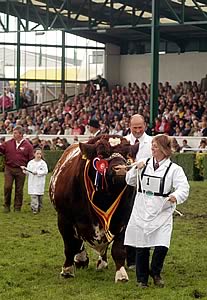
(114, 141)
(58, 169)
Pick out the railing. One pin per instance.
(70, 138)
(193, 142)
(194, 149)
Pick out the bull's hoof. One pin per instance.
(101, 264)
(68, 272)
(121, 275)
(81, 264)
(81, 260)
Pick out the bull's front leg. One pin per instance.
(118, 252)
(72, 246)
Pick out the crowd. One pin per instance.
(182, 111)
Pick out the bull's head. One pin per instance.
(116, 151)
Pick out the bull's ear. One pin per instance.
(133, 150)
(88, 150)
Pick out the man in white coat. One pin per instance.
(161, 185)
(138, 135)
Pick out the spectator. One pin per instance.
(203, 145)
(18, 151)
(5, 101)
(103, 83)
(174, 145)
(204, 84)
(184, 146)
(36, 170)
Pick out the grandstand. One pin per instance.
(128, 42)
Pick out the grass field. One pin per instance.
(31, 256)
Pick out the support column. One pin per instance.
(17, 91)
(63, 62)
(155, 35)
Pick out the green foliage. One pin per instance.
(51, 157)
(2, 160)
(204, 166)
(32, 255)
(186, 161)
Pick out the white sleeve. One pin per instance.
(181, 185)
(131, 176)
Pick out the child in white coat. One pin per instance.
(36, 170)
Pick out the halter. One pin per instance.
(116, 155)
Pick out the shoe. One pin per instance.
(158, 281)
(132, 267)
(6, 209)
(142, 285)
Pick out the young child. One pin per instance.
(36, 170)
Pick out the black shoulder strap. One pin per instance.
(162, 185)
(143, 170)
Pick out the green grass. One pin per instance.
(31, 256)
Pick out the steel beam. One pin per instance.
(155, 34)
(63, 62)
(18, 67)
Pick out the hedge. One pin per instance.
(195, 166)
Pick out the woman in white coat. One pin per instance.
(161, 185)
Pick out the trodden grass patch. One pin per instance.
(31, 256)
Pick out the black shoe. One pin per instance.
(158, 281)
(142, 285)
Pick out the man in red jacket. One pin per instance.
(17, 151)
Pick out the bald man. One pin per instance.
(137, 128)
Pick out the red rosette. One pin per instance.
(102, 165)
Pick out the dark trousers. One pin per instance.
(142, 262)
(131, 256)
(13, 175)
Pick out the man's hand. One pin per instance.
(23, 169)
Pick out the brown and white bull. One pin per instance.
(93, 202)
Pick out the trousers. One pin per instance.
(13, 175)
(143, 268)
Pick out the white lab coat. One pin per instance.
(145, 144)
(36, 183)
(151, 219)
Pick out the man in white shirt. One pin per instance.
(137, 128)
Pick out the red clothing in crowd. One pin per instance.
(16, 157)
(5, 102)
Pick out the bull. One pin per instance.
(93, 202)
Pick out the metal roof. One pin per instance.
(127, 23)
